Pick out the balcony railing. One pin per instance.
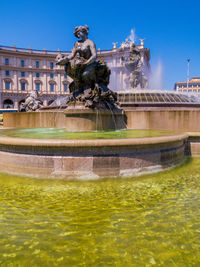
(44, 51)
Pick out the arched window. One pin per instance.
(65, 86)
(8, 103)
(38, 85)
(21, 101)
(24, 84)
(7, 84)
(52, 85)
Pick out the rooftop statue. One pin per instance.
(90, 76)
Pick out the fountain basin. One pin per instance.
(186, 119)
(89, 159)
(71, 119)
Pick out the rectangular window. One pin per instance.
(7, 72)
(22, 74)
(51, 65)
(23, 86)
(22, 63)
(6, 61)
(37, 75)
(38, 86)
(37, 64)
(65, 88)
(7, 85)
(52, 87)
(51, 75)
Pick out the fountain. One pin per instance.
(90, 106)
(123, 222)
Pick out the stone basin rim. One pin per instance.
(91, 143)
(93, 111)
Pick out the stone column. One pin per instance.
(16, 104)
(46, 83)
(15, 81)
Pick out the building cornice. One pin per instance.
(31, 69)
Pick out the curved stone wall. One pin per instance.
(84, 159)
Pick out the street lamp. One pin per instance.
(188, 71)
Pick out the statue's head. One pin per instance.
(81, 29)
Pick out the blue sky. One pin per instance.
(171, 28)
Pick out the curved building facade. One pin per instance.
(23, 70)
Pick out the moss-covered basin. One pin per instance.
(62, 133)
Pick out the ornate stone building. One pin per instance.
(192, 86)
(23, 70)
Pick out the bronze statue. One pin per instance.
(90, 76)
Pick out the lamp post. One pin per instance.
(188, 71)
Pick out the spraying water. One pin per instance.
(156, 79)
(132, 36)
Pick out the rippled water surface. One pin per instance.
(144, 221)
(61, 133)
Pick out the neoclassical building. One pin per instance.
(191, 86)
(23, 70)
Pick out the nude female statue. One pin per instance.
(90, 76)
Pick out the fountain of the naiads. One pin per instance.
(79, 150)
(153, 220)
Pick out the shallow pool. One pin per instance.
(62, 133)
(145, 221)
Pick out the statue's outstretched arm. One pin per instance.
(62, 60)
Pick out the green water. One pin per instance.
(61, 133)
(152, 220)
